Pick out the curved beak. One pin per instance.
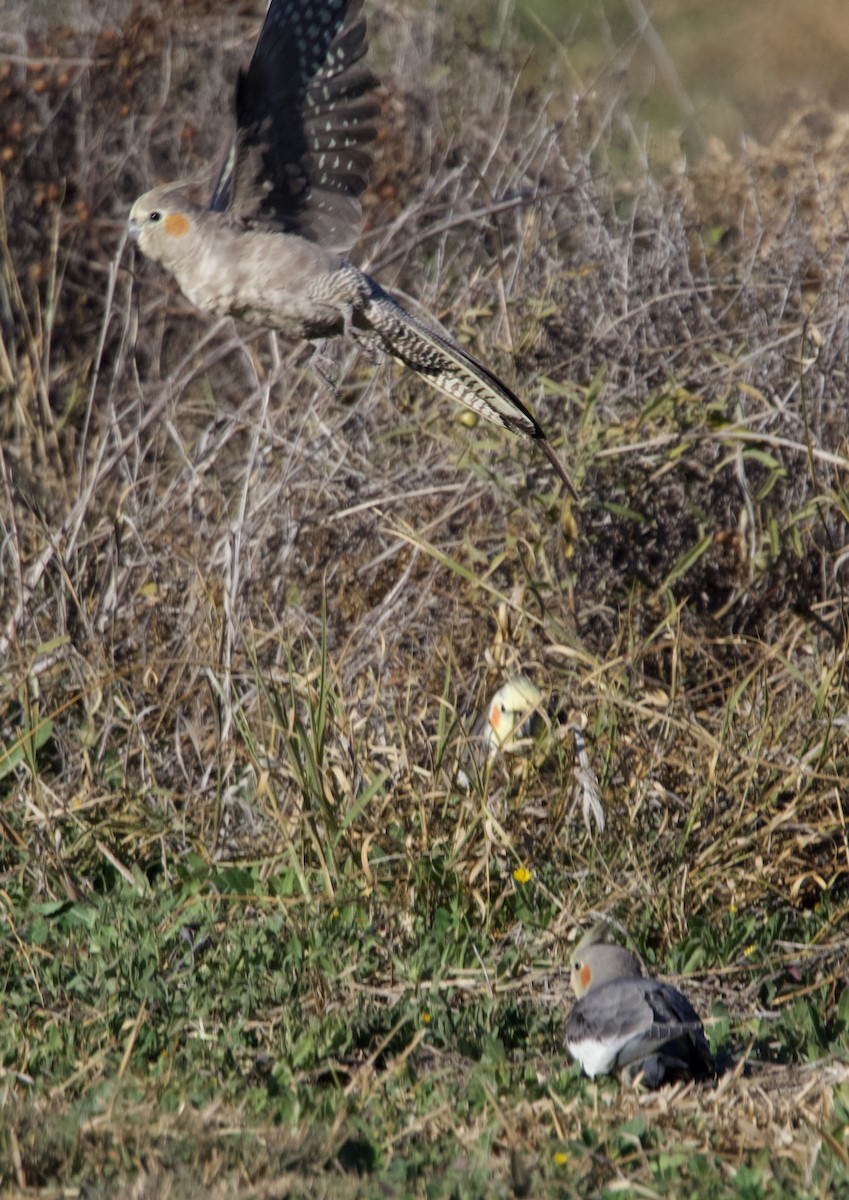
(133, 229)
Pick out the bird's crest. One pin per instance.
(600, 932)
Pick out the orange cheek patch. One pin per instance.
(586, 976)
(176, 225)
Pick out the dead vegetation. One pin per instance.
(245, 622)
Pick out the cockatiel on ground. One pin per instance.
(517, 713)
(625, 1022)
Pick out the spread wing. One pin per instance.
(305, 117)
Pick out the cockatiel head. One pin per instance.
(164, 222)
(510, 716)
(598, 964)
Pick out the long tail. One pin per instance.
(451, 369)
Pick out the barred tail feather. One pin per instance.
(552, 456)
(452, 370)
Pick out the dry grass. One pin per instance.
(244, 627)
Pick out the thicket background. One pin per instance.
(257, 940)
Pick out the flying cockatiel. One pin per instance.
(623, 1021)
(271, 247)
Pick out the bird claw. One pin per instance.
(371, 345)
(325, 367)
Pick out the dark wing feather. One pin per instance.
(675, 1041)
(305, 118)
(655, 1028)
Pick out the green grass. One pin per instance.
(146, 1014)
(256, 938)
(377, 999)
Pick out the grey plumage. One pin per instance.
(271, 246)
(625, 1022)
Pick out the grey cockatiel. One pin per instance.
(271, 246)
(625, 1022)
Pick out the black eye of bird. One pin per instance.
(155, 216)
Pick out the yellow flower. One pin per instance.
(560, 1157)
(522, 875)
(426, 1018)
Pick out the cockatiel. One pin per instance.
(623, 1021)
(517, 713)
(271, 247)
(512, 715)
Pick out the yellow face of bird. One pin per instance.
(509, 708)
(159, 221)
